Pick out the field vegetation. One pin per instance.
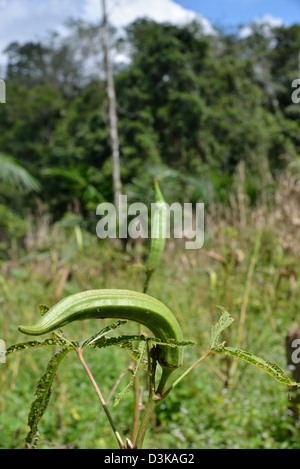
(214, 119)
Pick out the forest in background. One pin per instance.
(190, 106)
(212, 116)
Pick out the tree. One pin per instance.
(188, 104)
(112, 114)
(196, 102)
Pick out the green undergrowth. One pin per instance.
(213, 407)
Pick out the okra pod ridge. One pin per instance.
(119, 304)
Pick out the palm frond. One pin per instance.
(13, 174)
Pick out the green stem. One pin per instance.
(149, 273)
(247, 291)
(102, 400)
(136, 408)
(153, 399)
(163, 380)
(185, 373)
(145, 422)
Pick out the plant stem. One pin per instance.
(163, 380)
(153, 399)
(185, 373)
(245, 300)
(145, 421)
(149, 273)
(102, 400)
(136, 408)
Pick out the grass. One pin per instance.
(222, 403)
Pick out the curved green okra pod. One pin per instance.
(120, 304)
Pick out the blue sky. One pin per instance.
(234, 12)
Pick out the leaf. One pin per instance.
(121, 394)
(124, 339)
(96, 337)
(132, 351)
(126, 342)
(43, 393)
(32, 344)
(269, 367)
(43, 309)
(60, 335)
(15, 175)
(225, 321)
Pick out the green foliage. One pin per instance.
(216, 330)
(130, 385)
(12, 174)
(188, 102)
(202, 412)
(43, 392)
(271, 368)
(98, 340)
(33, 344)
(213, 115)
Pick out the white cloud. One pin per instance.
(30, 20)
(271, 21)
(24, 20)
(267, 22)
(123, 12)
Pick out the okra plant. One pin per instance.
(164, 348)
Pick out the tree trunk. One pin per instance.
(113, 120)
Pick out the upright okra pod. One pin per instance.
(158, 234)
(120, 304)
(158, 230)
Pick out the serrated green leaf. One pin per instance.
(32, 344)
(118, 341)
(60, 335)
(225, 321)
(43, 393)
(126, 342)
(96, 337)
(122, 394)
(271, 368)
